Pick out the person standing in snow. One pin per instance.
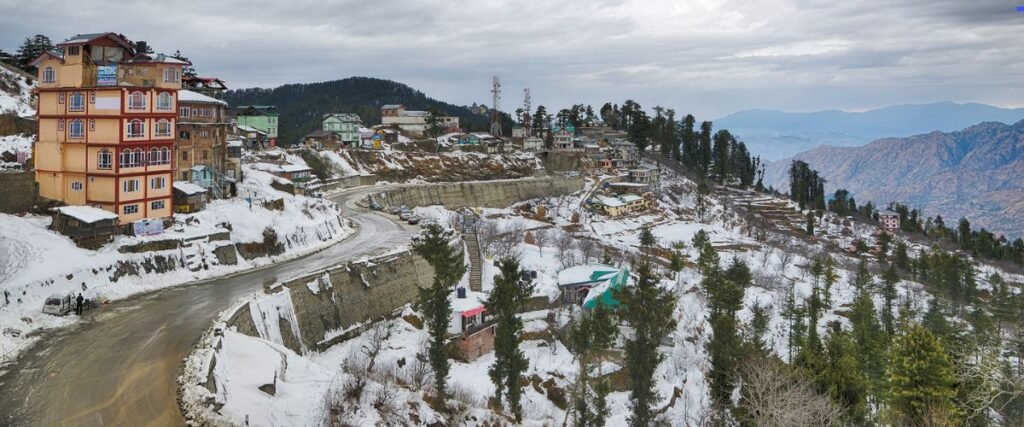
(78, 304)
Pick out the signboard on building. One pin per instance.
(22, 157)
(148, 227)
(106, 75)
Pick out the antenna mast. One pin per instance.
(496, 96)
(527, 115)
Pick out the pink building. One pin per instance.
(889, 221)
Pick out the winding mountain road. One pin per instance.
(118, 366)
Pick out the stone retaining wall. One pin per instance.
(17, 191)
(486, 194)
(329, 303)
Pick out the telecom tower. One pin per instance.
(527, 115)
(495, 115)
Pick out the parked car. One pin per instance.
(58, 305)
(404, 216)
(395, 210)
(413, 219)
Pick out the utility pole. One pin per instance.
(527, 114)
(495, 115)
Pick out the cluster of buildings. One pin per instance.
(119, 132)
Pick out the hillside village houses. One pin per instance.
(201, 150)
(889, 221)
(107, 113)
(562, 137)
(262, 118)
(415, 122)
(347, 124)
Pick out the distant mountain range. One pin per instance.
(302, 105)
(774, 134)
(977, 173)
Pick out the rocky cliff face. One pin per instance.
(977, 173)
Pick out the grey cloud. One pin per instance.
(710, 58)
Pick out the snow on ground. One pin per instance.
(19, 99)
(680, 377)
(28, 250)
(11, 145)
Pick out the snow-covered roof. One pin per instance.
(245, 128)
(186, 95)
(294, 168)
(86, 214)
(188, 188)
(391, 106)
(627, 184)
(888, 212)
(473, 303)
(629, 198)
(610, 201)
(580, 274)
(234, 142)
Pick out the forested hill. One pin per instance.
(977, 173)
(302, 105)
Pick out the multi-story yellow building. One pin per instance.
(106, 117)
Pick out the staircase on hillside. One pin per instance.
(475, 260)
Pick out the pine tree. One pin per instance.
(889, 281)
(436, 249)
(704, 148)
(689, 141)
(922, 383)
(503, 303)
(758, 329)
(589, 337)
(863, 280)
(870, 339)
(707, 260)
(830, 278)
(648, 309)
(31, 49)
(647, 238)
(842, 377)
(725, 291)
(900, 257)
(811, 219)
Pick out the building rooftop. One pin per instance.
(86, 214)
(610, 202)
(185, 95)
(627, 198)
(188, 188)
(391, 106)
(583, 274)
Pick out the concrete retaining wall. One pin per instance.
(17, 191)
(329, 303)
(487, 194)
(347, 182)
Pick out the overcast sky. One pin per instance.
(707, 57)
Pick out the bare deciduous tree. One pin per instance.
(588, 249)
(378, 335)
(488, 233)
(542, 237)
(776, 395)
(566, 245)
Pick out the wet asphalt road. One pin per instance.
(118, 366)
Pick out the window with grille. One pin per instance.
(76, 129)
(131, 209)
(104, 159)
(76, 102)
(137, 101)
(130, 185)
(163, 128)
(136, 128)
(49, 76)
(163, 101)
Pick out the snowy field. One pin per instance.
(36, 262)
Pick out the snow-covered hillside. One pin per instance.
(321, 384)
(15, 93)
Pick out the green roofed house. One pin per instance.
(346, 124)
(261, 117)
(591, 284)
